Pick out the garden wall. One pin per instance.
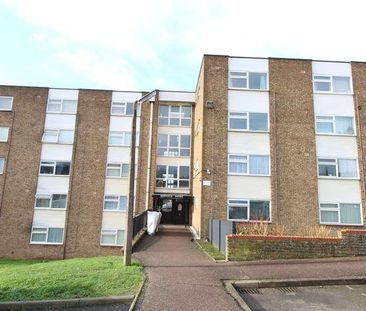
(253, 247)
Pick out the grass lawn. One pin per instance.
(210, 250)
(63, 279)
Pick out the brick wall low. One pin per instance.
(253, 247)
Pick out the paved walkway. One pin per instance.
(180, 277)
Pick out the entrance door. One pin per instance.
(180, 212)
(174, 211)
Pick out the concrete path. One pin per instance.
(180, 277)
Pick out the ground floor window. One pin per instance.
(340, 213)
(249, 210)
(47, 235)
(112, 237)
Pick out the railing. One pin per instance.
(139, 222)
(217, 232)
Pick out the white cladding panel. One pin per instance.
(60, 121)
(114, 220)
(186, 161)
(119, 154)
(53, 184)
(175, 190)
(248, 143)
(126, 96)
(248, 64)
(49, 218)
(174, 130)
(332, 68)
(249, 187)
(63, 94)
(333, 104)
(121, 124)
(344, 191)
(336, 146)
(56, 152)
(248, 101)
(177, 96)
(117, 186)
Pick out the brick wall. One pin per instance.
(251, 247)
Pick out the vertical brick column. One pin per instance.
(293, 147)
(359, 90)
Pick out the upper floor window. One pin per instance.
(119, 138)
(122, 109)
(168, 176)
(248, 121)
(4, 134)
(112, 237)
(340, 213)
(334, 125)
(54, 168)
(248, 80)
(2, 163)
(115, 203)
(174, 145)
(46, 235)
(117, 170)
(248, 210)
(58, 136)
(61, 106)
(51, 201)
(341, 168)
(332, 84)
(175, 115)
(248, 164)
(6, 103)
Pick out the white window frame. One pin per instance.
(7, 134)
(120, 134)
(11, 103)
(247, 77)
(115, 233)
(333, 121)
(179, 147)
(46, 232)
(176, 115)
(248, 156)
(58, 132)
(331, 83)
(338, 209)
(178, 179)
(50, 197)
(54, 168)
(119, 104)
(118, 200)
(246, 117)
(337, 169)
(61, 102)
(120, 169)
(248, 204)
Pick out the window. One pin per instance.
(175, 115)
(340, 213)
(334, 125)
(239, 80)
(122, 109)
(251, 121)
(6, 103)
(112, 237)
(120, 138)
(4, 134)
(115, 203)
(342, 168)
(248, 210)
(45, 235)
(117, 170)
(332, 84)
(54, 168)
(172, 176)
(51, 201)
(58, 136)
(61, 106)
(174, 145)
(2, 163)
(248, 164)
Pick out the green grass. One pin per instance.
(210, 250)
(65, 279)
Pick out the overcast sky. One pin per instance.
(143, 45)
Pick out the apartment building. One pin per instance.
(261, 139)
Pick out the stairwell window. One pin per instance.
(119, 138)
(332, 84)
(340, 213)
(248, 80)
(115, 203)
(47, 235)
(335, 125)
(6, 103)
(170, 145)
(61, 106)
(112, 237)
(52, 201)
(337, 168)
(117, 170)
(57, 168)
(257, 165)
(122, 109)
(175, 115)
(248, 210)
(168, 176)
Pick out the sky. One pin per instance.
(145, 45)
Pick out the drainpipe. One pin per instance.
(149, 156)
